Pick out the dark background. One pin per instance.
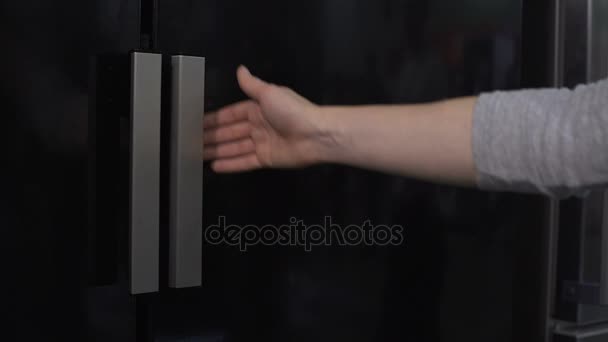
(451, 280)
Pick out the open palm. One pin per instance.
(276, 128)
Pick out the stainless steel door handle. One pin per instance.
(186, 176)
(144, 172)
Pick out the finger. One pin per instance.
(229, 150)
(229, 114)
(251, 85)
(239, 164)
(228, 133)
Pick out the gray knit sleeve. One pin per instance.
(552, 141)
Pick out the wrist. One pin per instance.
(329, 138)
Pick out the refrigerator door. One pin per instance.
(452, 278)
(44, 83)
(84, 204)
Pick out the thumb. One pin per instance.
(251, 85)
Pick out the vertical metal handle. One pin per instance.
(604, 246)
(145, 172)
(186, 183)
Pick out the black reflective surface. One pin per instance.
(451, 279)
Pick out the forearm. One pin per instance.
(427, 141)
(550, 141)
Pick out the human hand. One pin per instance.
(276, 128)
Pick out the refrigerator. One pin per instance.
(106, 202)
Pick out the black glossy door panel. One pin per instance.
(450, 280)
